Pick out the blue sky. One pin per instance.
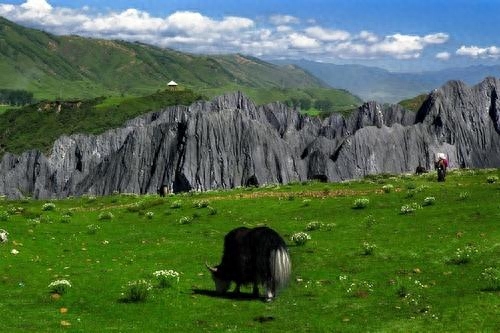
(410, 35)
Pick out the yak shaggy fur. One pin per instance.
(256, 256)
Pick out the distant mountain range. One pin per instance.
(372, 83)
(75, 67)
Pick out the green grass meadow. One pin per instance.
(397, 262)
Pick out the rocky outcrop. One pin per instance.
(231, 142)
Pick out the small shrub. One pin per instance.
(368, 248)
(463, 196)
(410, 194)
(361, 203)
(185, 220)
(388, 188)
(429, 201)
(300, 238)
(196, 215)
(49, 206)
(463, 255)
(409, 209)
(369, 221)
(166, 278)
(4, 216)
(45, 219)
(59, 286)
(65, 218)
(176, 204)
(411, 186)
(314, 225)
(106, 216)
(149, 215)
(491, 276)
(492, 179)
(306, 202)
(329, 226)
(92, 229)
(4, 236)
(359, 289)
(137, 291)
(201, 203)
(212, 210)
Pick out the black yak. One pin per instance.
(256, 256)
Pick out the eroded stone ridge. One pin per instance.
(231, 142)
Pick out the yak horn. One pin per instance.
(210, 268)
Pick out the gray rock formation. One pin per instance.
(230, 142)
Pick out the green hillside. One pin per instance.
(62, 67)
(94, 116)
(414, 103)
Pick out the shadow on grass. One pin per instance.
(241, 296)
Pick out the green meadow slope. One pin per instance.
(386, 254)
(64, 67)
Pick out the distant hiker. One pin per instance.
(441, 166)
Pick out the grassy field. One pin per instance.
(399, 262)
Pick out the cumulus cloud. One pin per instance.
(327, 35)
(283, 19)
(479, 52)
(194, 32)
(443, 55)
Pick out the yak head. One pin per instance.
(221, 284)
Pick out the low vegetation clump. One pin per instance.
(4, 216)
(4, 236)
(137, 291)
(463, 255)
(300, 238)
(491, 278)
(492, 179)
(361, 203)
(410, 208)
(429, 201)
(185, 220)
(368, 248)
(433, 270)
(388, 188)
(166, 278)
(463, 195)
(59, 286)
(106, 216)
(314, 225)
(92, 229)
(176, 204)
(48, 206)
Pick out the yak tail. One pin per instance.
(281, 267)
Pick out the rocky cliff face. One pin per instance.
(231, 142)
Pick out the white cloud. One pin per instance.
(443, 55)
(479, 52)
(327, 35)
(194, 32)
(284, 20)
(407, 46)
(302, 41)
(368, 36)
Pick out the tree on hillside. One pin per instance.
(16, 97)
(323, 105)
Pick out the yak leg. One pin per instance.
(255, 289)
(270, 292)
(237, 288)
